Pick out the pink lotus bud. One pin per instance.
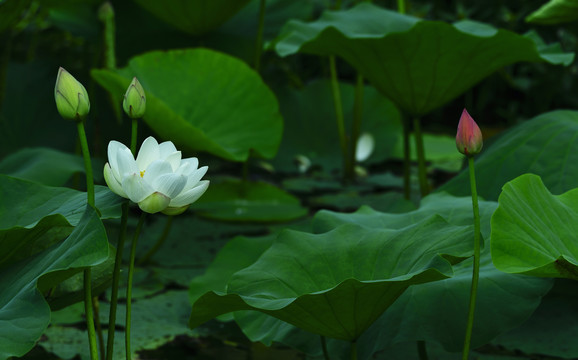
(469, 138)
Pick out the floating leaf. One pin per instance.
(193, 16)
(203, 100)
(555, 12)
(420, 65)
(545, 145)
(344, 276)
(24, 314)
(44, 165)
(34, 216)
(535, 232)
(233, 200)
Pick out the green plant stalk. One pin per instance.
(4, 61)
(476, 270)
(109, 44)
(354, 350)
(87, 272)
(87, 163)
(356, 127)
(422, 173)
(129, 284)
(421, 350)
(324, 347)
(338, 112)
(96, 309)
(401, 6)
(134, 136)
(89, 314)
(159, 242)
(259, 41)
(115, 282)
(406, 160)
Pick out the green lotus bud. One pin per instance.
(71, 97)
(135, 101)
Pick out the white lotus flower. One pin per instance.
(158, 180)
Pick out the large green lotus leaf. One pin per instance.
(419, 64)
(455, 210)
(535, 232)
(47, 166)
(555, 12)
(203, 100)
(337, 283)
(24, 314)
(437, 312)
(311, 128)
(193, 16)
(545, 145)
(232, 200)
(34, 216)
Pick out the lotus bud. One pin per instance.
(71, 97)
(134, 103)
(469, 137)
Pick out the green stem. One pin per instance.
(354, 350)
(115, 281)
(96, 309)
(401, 6)
(129, 284)
(422, 173)
(89, 314)
(338, 111)
(4, 62)
(476, 270)
(406, 160)
(134, 136)
(324, 347)
(159, 242)
(421, 350)
(106, 15)
(87, 162)
(259, 41)
(356, 127)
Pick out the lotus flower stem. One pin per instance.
(401, 6)
(259, 40)
(476, 270)
(338, 110)
(422, 173)
(159, 242)
(87, 163)
(134, 136)
(406, 160)
(129, 284)
(96, 308)
(324, 347)
(356, 127)
(115, 282)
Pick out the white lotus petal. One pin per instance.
(156, 169)
(154, 203)
(166, 148)
(365, 146)
(126, 164)
(149, 152)
(174, 159)
(191, 195)
(113, 148)
(136, 188)
(112, 182)
(188, 166)
(195, 177)
(170, 185)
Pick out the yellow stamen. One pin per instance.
(142, 173)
